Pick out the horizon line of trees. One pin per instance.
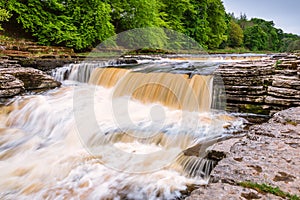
(82, 24)
(258, 34)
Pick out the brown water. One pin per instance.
(175, 91)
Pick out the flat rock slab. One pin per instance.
(268, 154)
(222, 191)
(262, 159)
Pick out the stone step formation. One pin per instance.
(262, 87)
(29, 54)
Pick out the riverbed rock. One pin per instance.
(15, 80)
(10, 85)
(268, 154)
(221, 191)
(46, 63)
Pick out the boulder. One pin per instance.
(10, 85)
(15, 80)
(45, 63)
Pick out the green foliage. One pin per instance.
(206, 23)
(195, 22)
(262, 35)
(4, 16)
(294, 46)
(173, 13)
(130, 14)
(287, 40)
(216, 22)
(153, 37)
(82, 24)
(255, 38)
(273, 41)
(235, 35)
(78, 24)
(278, 62)
(264, 188)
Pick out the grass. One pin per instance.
(264, 188)
(292, 123)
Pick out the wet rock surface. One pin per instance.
(268, 154)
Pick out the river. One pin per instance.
(115, 131)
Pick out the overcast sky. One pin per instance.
(284, 13)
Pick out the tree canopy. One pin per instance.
(235, 34)
(82, 24)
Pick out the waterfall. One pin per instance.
(80, 71)
(173, 90)
(126, 134)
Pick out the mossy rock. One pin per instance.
(255, 109)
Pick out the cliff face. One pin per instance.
(262, 87)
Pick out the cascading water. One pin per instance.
(50, 149)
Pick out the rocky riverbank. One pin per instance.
(15, 79)
(267, 156)
(262, 87)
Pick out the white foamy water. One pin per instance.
(42, 155)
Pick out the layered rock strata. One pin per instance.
(262, 87)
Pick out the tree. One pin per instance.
(195, 22)
(287, 40)
(206, 22)
(235, 35)
(130, 14)
(173, 13)
(255, 38)
(216, 22)
(272, 33)
(78, 24)
(260, 34)
(294, 46)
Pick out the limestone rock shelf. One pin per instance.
(262, 87)
(268, 154)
